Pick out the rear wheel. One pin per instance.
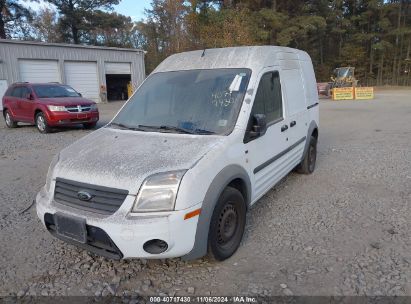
(307, 165)
(227, 224)
(41, 123)
(10, 123)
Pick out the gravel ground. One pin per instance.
(344, 230)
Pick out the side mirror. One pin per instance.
(259, 126)
(29, 96)
(79, 94)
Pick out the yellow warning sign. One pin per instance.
(364, 93)
(343, 93)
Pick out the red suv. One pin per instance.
(47, 105)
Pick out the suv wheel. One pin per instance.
(41, 123)
(10, 123)
(227, 224)
(307, 166)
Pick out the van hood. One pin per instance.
(122, 159)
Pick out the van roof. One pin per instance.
(251, 57)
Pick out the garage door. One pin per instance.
(39, 71)
(118, 68)
(83, 77)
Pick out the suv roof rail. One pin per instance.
(54, 82)
(20, 82)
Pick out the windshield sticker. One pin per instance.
(222, 122)
(235, 85)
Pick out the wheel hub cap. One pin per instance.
(227, 224)
(8, 119)
(40, 123)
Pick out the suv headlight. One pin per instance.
(93, 107)
(53, 164)
(158, 192)
(57, 108)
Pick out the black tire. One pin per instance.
(41, 123)
(227, 224)
(307, 165)
(10, 123)
(90, 125)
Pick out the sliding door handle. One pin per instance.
(293, 123)
(284, 128)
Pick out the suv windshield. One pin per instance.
(54, 91)
(194, 101)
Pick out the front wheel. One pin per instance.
(10, 123)
(41, 123)
(307, 165)
(227, 224)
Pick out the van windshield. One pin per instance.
(194, 101)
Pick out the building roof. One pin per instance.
(66, 45)
(252, 57)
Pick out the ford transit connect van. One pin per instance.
(205, 136)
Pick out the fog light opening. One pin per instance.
(155, 246)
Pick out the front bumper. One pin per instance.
(128, 233)
(66, 118)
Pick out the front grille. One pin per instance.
(104, 200)
(78, 109)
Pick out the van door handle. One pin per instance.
(284, 128)
(293, 123)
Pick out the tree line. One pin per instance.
(374, 36)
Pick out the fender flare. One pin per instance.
(311, 128)
(220, 182)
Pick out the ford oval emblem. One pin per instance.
(84, 196)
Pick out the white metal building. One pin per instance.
(98, 73)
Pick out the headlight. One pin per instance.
(57, 108)
(93, 107)
(158, 192)
(53, 164)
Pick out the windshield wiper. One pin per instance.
(168, 128)
(123, 126)
(201, 131)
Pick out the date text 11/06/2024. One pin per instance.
(205, 299)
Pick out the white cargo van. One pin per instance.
(202, 139)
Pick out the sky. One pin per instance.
(131, 8)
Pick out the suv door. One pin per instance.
(26, 105)
(266, 156)
(13, 99)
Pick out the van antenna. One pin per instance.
(203, 54)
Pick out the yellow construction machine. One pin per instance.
(342, 77)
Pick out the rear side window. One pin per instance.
(20, 92)
(268, 99)
(16, 92)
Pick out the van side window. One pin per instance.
(268, 99)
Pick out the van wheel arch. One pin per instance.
(234, 176)
(315, 133)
